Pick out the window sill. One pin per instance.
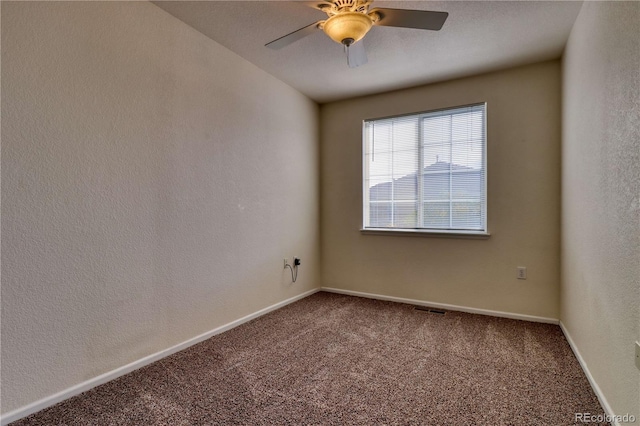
(426, 233)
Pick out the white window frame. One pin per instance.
(438, 232)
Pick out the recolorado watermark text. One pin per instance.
(601, 418)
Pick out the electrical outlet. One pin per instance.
(521, 272)
(638, 355)
(286, 262)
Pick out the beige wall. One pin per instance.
(152, 182)
(523, 107)
(600, 289)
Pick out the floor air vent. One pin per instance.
(430, 310)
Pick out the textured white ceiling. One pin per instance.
(479, 36)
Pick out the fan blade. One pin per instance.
(421, 19)
(294, 36)
(356, 55)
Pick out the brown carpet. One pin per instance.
(331, 360)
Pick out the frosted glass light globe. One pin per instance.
(347, 26)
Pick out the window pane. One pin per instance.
(467, 184)
(405, 188)
(405, 163)
(467, 215)
(405, 215)
(468, 153)
(436, 130)
(379, 191)
(380, 215)
(436, 186)
(380, 164)
(397, 215)
(436, 155)
(436, 215)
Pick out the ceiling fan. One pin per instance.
(348, 21)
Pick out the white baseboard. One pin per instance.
(444, 306)
(596, 389)
(12, 416)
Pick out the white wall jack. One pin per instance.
(521, 272)
(286, 262)
(638, 355)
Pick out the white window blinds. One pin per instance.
(426, 171)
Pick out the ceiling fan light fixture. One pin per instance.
(347, 27)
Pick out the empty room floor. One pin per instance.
(335, 359)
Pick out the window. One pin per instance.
(427, 172)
